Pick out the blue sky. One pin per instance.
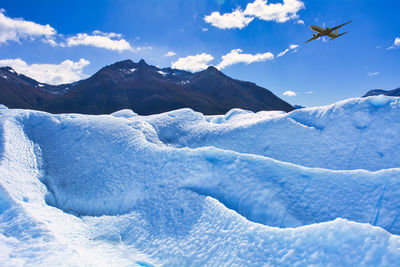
(244, 39)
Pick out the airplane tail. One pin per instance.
(339, 35)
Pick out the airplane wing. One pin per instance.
(337, 27)
(342, 34)
(339, 35)
(314, 37)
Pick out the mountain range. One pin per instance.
(394, 92)
(143, 88)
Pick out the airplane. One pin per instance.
(330, 32)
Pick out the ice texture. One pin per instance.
(317, 186)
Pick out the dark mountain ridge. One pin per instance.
(394, 92)
(141, 87)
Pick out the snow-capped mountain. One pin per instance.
(316, 186)
(146, 90)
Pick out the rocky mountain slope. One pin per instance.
(140, 87)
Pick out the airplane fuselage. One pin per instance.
(324, 32)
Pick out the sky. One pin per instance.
(258, 40)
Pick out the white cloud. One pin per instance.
(55, 41)
(291, 47)
(283, 52)
(278, 12)
(289, 93)
(236, 19)
(15, 29)
(373, 74)
(65, 72)
(170, 54)
(204, 29)
(193, 63)
(108, 34)
(52, 42)
(235, 56)
(396, 43)
(110, 41)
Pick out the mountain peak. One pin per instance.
(7, 68)
(129, 64)
(142, 62)
(125, 64)
(212, 68)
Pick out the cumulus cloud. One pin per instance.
(396, 43)
(110, 41)
(278, 12)
(235, 19)
(289, 93)
(193, 63)
(170, 54)
(236, 56)
(65, 72)
(15, 29)
(291, 47)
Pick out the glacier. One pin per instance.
(316, 186)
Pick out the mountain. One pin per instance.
(19, 91)
(394, 92)
(141, 87)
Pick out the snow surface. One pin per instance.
(315, 186)
(128, 70)
(353, 134)
(185, 82)
(162, 72)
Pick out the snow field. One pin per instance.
(180, 188)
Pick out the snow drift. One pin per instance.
(314, 186)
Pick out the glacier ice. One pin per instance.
(314, 186)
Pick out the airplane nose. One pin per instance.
(312, 27)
